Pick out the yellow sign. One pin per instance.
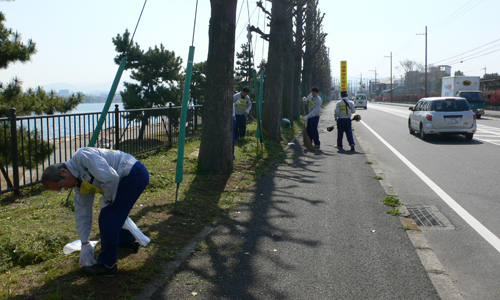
(343, 75)
(466, 83)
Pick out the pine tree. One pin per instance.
(157, 73)
(216, 148)
(12, 49)
(34, 101)
(244, 64)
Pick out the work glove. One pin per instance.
(247, 111)
(304, 99)
(237, 102)
(87, 255)
(304, 119)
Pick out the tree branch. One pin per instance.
(259, 31)
(259, 4)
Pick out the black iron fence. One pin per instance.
(30, 144)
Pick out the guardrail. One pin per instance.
(32, 143)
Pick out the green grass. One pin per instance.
(35, 226)
(393, 201)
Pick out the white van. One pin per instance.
(360, 101)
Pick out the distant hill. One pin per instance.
(89, 89)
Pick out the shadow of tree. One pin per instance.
(225, 267)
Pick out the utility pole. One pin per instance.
(249, 37)
(360, 81)
(391, 74)
(425, 59)
(374, 93)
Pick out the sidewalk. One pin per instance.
(313, 229)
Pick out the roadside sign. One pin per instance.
(343, 75)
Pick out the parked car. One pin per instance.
(360, 101)
(442, 115)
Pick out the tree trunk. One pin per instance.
(271, 115)
(308, 55)
(289, 95)
(216, 149)
(299, 39)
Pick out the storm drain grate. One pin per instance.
(424, 216)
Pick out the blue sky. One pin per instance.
(74, 37)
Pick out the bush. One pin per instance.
(494, 98)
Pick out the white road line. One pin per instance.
(473, 222)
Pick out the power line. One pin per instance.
(408, 45)
(458, 13)
(248, 23)
(449, 58)
(241, 9)
(450, 16)
(462, 60)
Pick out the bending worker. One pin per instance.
(121, 179)
(312, 119)
(243, 105)
(343, 112)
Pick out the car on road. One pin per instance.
(360, 101)
(442, 115)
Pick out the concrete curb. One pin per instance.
(435, 270)
(172, 266)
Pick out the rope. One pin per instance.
(194, 26)
(140, 16)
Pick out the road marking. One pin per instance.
(465, 215)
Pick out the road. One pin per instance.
(449, 175)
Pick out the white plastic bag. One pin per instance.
(76, 246)
(136, 232)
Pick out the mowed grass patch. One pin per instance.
(35, 226)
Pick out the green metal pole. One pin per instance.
(111, 95)
(179, 172)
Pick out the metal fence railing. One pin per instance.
(30, 144)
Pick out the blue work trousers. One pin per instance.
(312, 130)
(112, 217)
(241, 126)
(234, 134)
(344, 125)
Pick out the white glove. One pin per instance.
(87, 255)
(304, 119)
(304, 99)
(237, 102)
(247, 111)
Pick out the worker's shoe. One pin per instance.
(134, 247)
(100, 269)
(316, 147)
(352, 148)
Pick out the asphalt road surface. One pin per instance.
(456, 178)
